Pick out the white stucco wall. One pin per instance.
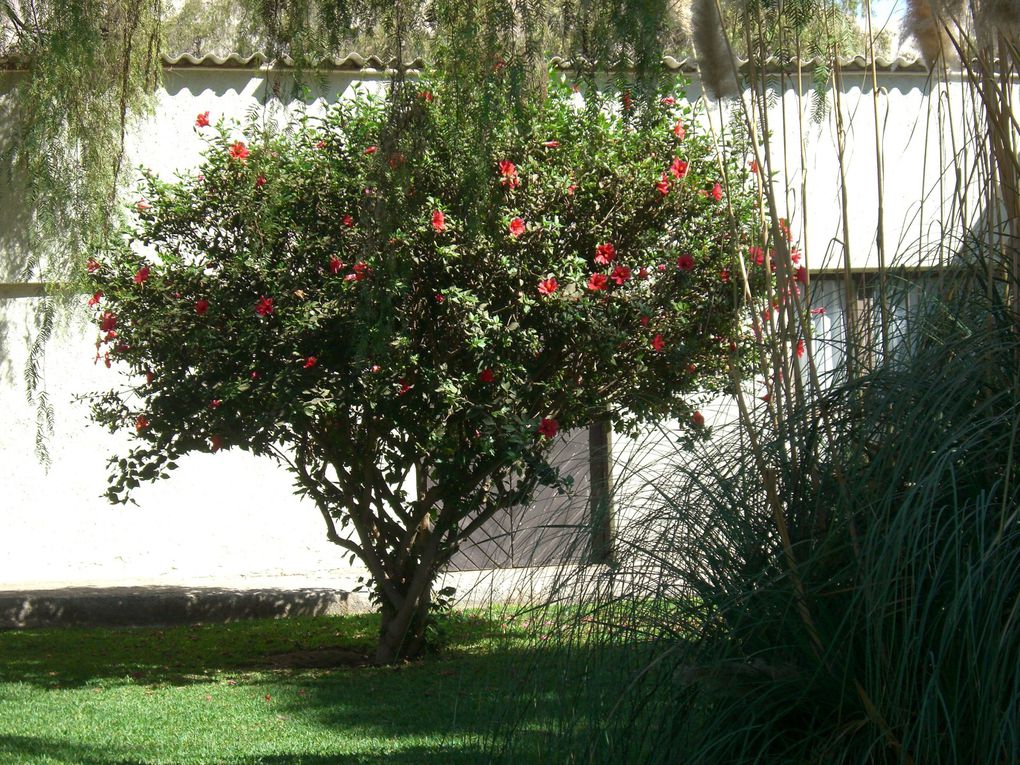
(228, 518)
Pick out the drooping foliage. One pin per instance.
(89, 67)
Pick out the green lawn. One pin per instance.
(245, 693)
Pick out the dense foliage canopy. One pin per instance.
(341, 296)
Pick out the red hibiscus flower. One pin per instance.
(92, 265)
(645, 320)
(361, 272)
(724, 276)
(508, 171)
(548, 427)
(628, 102)
(551, 144)
(260, 181)
(685, 263)
(335, 264)
(679, 130)
(141, 275)
(94, 300)
(375, 369)
(753, 164)
(310, 362)
(571, 189)
(548, 286)
(757, 254)
(820, 311)
(663, 185)
(426, 96)
(440, 298)
(678, 168)
(371, 149)
(801, 348)
(239, 151)
(795, 256)
(661, 268)
(438, 221)
(215, 443)
(698, 420)
(801, 275)
(320, 145)
(716, 192)
(107, 322)
(264, 306)
(605, 253)
(658, 344)
(202, 120)
(486, 375)
(620, 275)
(404, 387)
(215, 403)
(141, 423)
(348, 221)
(642, 272)
(201, 306)
(668, 101)
(517, 227)
(597, 282)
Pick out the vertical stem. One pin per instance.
(850, 309)
(600, 438)
(880, 179)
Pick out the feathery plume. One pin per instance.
(927, 22)
(718, 68)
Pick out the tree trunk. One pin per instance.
(402, 632)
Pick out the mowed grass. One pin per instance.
(245, 693)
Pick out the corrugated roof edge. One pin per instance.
(357, 63)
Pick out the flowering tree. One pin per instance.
(406, 328)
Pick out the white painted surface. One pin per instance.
(229, 519)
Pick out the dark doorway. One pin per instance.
(554, 528)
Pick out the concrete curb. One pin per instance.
(165, 606)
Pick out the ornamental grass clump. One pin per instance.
(857, 605)
(407, 326)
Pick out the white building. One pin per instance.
(230, 519)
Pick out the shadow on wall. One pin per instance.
(15, 228)
(162, 606)
(261, 86)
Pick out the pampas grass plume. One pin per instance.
(718, 68)
(926, 21)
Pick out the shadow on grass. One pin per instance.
(441, 709)
(22, 748)
(18, 749)
(71, 657)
